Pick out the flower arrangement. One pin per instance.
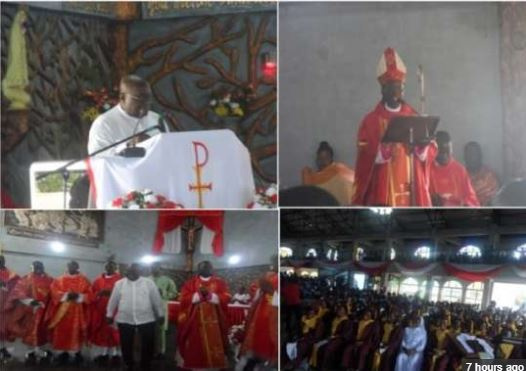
(265, 198)
(144, 199)
(230, 103)
(99, 101)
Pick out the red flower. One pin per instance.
(274, 198)
(117, 202)
(250, 205)
(161, 199)
(130, 196)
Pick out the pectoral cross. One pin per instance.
(191, 229)
(199, 186)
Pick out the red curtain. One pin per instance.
(471, 276)
(214, 223)
(170, 220)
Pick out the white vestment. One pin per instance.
(415, 338)
(115, 125)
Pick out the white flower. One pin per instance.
(151, 198)
(271, 190)
(133, 206)
(234, 105)
(213, 102)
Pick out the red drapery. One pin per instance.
(471, 276)
(170, 220)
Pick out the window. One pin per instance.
(510, 295)
(422, 290)
(435, 290)
(332, 254)
(359, 281)
(409, 286)
(520, 252)
(308, 272)
(311, 253)
(452, 292)
(285, 252)
(423, 252)
(393, 285)
(392, 254)
(359, 254)
(474, 293)
(471, 251)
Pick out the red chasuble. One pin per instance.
(100, 333)
(202, 335)
(261, 330)
(68, 320)
(387, 184)
(10, 279)
(451, 182)
(29, 323)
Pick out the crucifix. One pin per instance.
(191, 228)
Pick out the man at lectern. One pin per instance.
(130, 116)
(382, 173)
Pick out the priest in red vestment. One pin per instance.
(202, 332)
(8, 280)
(261, 329)
(101, 333)
(68, 313)
(382, 176)
(33, 293)
(450, 184)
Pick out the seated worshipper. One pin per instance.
(69, 314)
(334, 177)
(138, 305)
(313, 330)
(325, 353)
(392, 332)
(437, 342)
(33, 291)
(8, 281)
(241, 296)
(414, 341)
(483, 179)
(202, 332)
(358, 351)
(449, 183)
(130, 116)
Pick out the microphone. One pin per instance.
(133, 150)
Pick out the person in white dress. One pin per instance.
(414, 341)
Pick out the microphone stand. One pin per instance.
(63, 170)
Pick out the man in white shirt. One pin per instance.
(138, 306)
(130, 116)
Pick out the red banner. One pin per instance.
(471, 275)
(372, 269)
